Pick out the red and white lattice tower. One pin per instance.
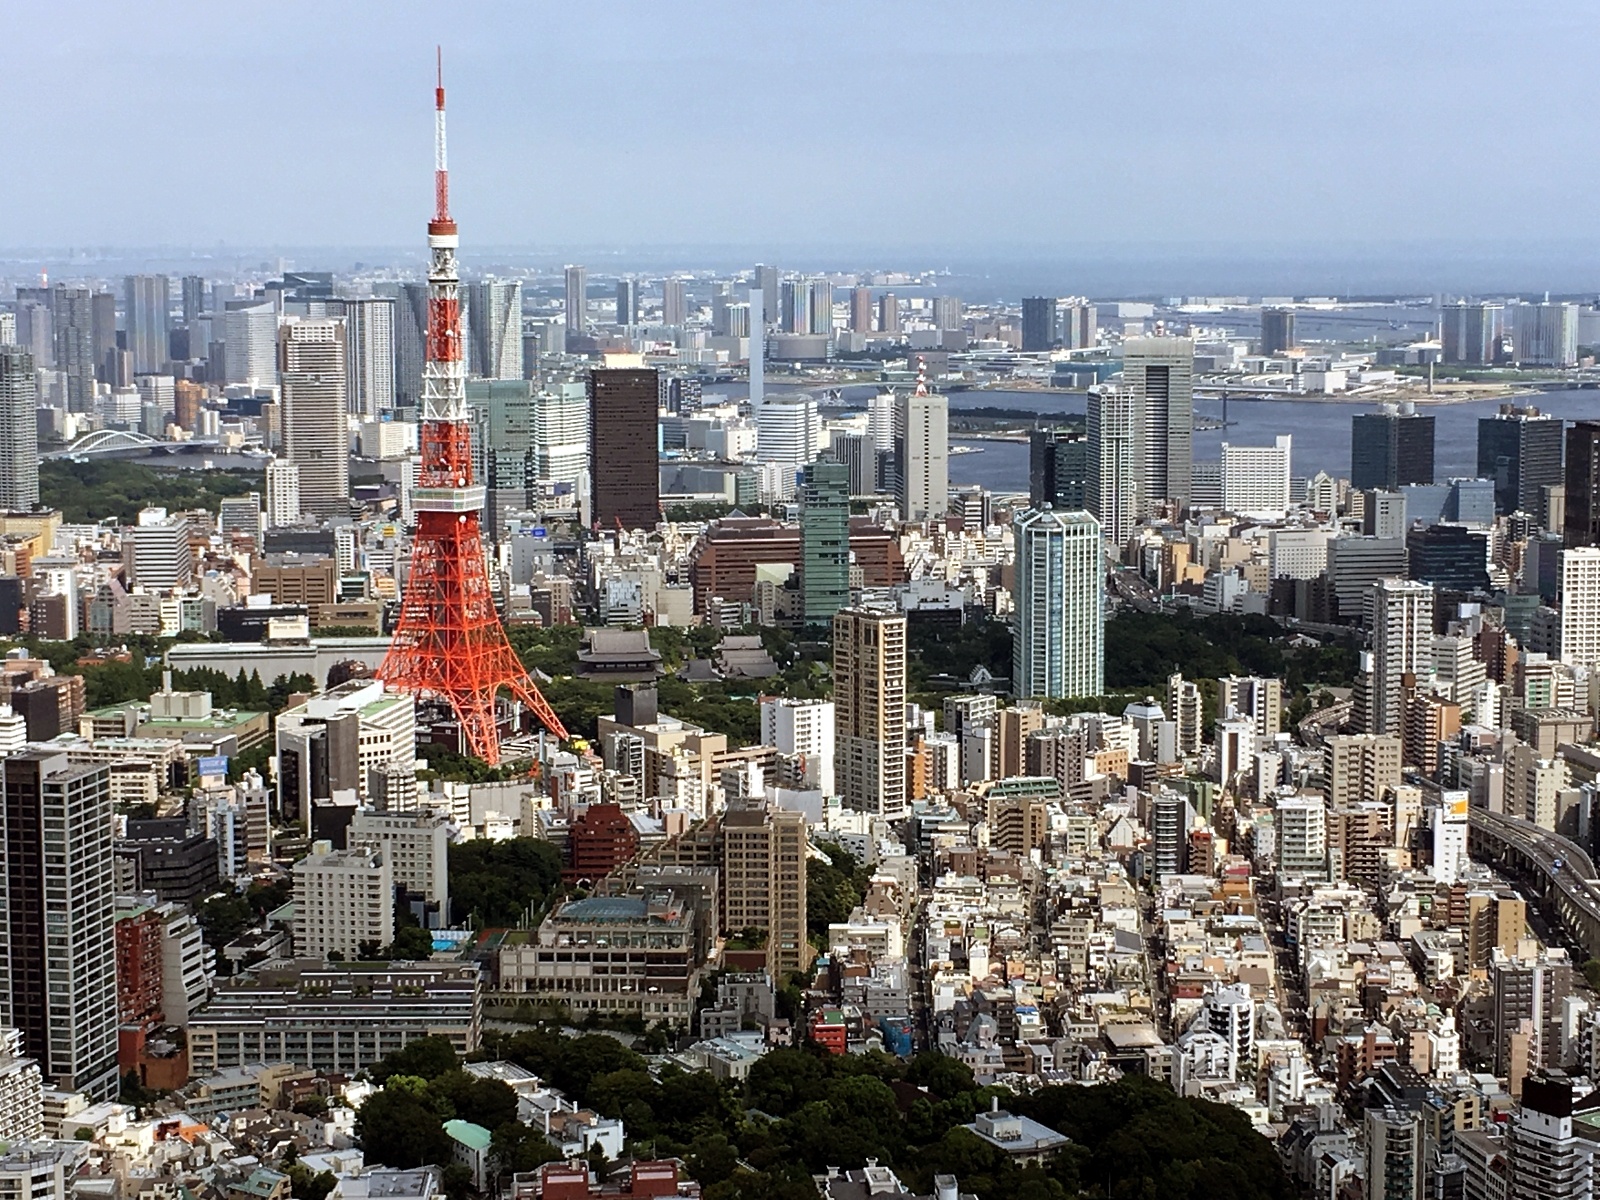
(450, 642)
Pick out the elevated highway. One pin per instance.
(1556, 870)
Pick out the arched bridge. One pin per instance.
(116, 441)
(1554, 868)
(104, 441)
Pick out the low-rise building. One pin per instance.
(342, 1018)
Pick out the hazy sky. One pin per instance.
(1001, 126)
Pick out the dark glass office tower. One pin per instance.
(623, 472)
(1582, 524)
(1058, 469)
(1390, 449)
(1520, 449)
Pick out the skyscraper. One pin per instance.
(1580, 606)
(1160, 373)
(1277, 330)
(860, 309)
(103, 321)
(561, 434)
(1058, 469)
(410, 343)
(794, 306)
(316, 425)
(1546, 334)
(1039, 323)
(494, 323)
(577, 304)
(147, 303)
(674, 303)
(888, 313)
(819, 306)
(193, 297)
(922, 453)
(1402, 644)
(824, 540)
(1520, 449)
(1391, 448)
(767, 280)
(1581, 520)
(1112, 479)
(627, 302)
(250, 330)
(73, 323)
(369, 353)
(947, 312)
(19, 432)
(788, 431)
(1058, 633)
(58, 979)
(869, 696)
(502, 445)
(1471, 332)
(1255, 479)
(624, 477)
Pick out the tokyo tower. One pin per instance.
(449, 642)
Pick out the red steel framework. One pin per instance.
(450, 642)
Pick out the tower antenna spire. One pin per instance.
(441, 170)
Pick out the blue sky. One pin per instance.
(997, 127)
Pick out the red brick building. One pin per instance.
(138, 938)
(601, 839)
(724, 560)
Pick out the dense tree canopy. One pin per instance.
(493, 883)
(800, 1112)
(97, 489)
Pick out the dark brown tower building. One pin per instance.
(1581, 526)
(623, 472)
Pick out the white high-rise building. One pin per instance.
(156, 552)
(1580, 606)
(369, 350)
(788, 436)
(1402, 643)
(1159, 371)
(1302, 837)
(869, 696)
(494, 327)
(1546, 335)
(1255, 479)
(1058, 631)
(316, 424)
(922, 454)
(250, 336)
(802, 727)
(561, 433)
(880, 422)
(343, 902)
(1113, 483)
(19, 430)
(283, 493)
